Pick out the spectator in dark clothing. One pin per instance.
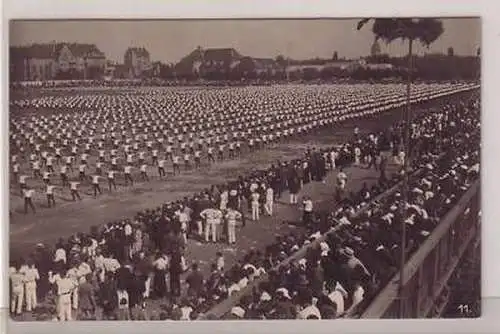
(108, 297)
(195, 282)
(175, 271)
(136, 300)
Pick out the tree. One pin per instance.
(335, 56)
(283, 64)
(451, 52)
(426, 31)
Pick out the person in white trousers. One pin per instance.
(268, 206)
(255, 205)
(232, 216)
(212, 218)
(17, 288)
(357, 156)
(65, 287)
(31, 276)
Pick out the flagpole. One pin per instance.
(406, 170)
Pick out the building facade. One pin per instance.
(137, 62)
(208, 62)
(56, 60)
(39, 62)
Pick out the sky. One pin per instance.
(170, 40)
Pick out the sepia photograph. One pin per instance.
(244, 169)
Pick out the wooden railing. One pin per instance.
(429, 269)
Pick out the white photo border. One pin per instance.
(147, 9)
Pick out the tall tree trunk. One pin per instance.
(406, 169)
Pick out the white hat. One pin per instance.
(418, 191)
(238, 311)
(348, 251)
(285, 292)
(424, 233)
(324, 246)
(265, 296)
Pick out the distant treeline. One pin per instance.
(432, 66)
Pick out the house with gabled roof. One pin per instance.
(47, 61)
(202, 61)
(137, 62)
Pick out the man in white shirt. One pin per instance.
(81, 169)
(357, 156)
(28, 200)
(128, 175)
(50, 164)
(102, 155)
(15, 172)
(65, 287)
(69, 162)
(73, 187)
(341, 184)
(184, 221)
(144, 173)
(197, 159)
(161, 168)
(111, 180)
(17, 288)
(22, 183)
(36, 169)
(154, 157)
(307, 217)
(231, 150)
(31, 276)
(212, 217)
(114, 164)
(46, 177)
(169, 152)
(64, 175)
(60, 255)
(83, 158)
(50, 195)
(255, 205)
(232, 217)
(210, 153)
(175, 161)
(187, 163)
(221, 152)
(95, 185)
(268, 206)
(72, 274)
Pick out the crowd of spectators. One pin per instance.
(343, 273)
